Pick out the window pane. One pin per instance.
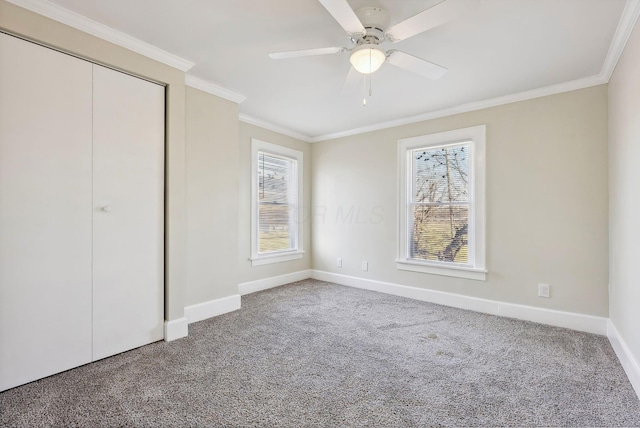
(274, 179)
(274, 220)
(439, 233)
(441, 175)
(277, 198)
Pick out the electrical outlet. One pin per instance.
(339, 262)
(365, 266)
(544, 290)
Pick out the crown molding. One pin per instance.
(626, 24)
(212, 88)
(628, 19)
(476, 105)
(82, 23)
(275, 128)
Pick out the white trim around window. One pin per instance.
(295, 229)
(475, 139)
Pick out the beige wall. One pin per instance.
(546, 190)
(546, 203)
(213, 160)
(251, 273)
(18, 21)
(624, 187)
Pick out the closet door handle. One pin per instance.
(106, 208)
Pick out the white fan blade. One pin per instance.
(416, 65)
(306, 52)
(346, 17)
(428, 19)
(352, 80)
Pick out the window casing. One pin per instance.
(442, 203)
(276, 203)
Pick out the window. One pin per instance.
(276, 203)
(442, 218)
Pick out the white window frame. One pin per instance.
(476, 137)
(257, 258)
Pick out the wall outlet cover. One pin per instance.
(544, 290)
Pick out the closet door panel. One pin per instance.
(128, 192)
(45, 212)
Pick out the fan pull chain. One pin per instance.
(364, 81)
(364, 90)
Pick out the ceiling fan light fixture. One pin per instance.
(367, 58)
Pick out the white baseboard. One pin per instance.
(274, 281)
(212, 308)
(629, 362)
(574, 321)
(176, 329)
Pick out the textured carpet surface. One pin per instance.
(319, 354)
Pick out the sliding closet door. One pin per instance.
(45, 212)
(128, 201)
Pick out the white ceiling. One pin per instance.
(499, 48)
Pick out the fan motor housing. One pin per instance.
(375, 21)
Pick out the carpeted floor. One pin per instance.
(319, 354)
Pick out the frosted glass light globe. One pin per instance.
(367, 58)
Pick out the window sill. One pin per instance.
(455, 271)
(276, 258)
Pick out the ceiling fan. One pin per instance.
(368, 29)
